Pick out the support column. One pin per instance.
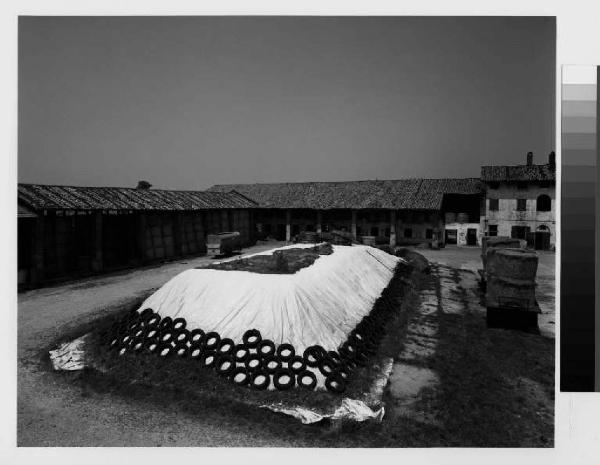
(141, 237)
(97, 258)
(319, 221)
(224, 221)
(353, 225)
(37, 262)
(288, 226)
(177, 234)
(393, 228)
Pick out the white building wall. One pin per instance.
(507, 215)
(461, 230)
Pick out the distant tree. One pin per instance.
(143, 185)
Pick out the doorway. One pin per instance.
(471, 236)
(451, 236)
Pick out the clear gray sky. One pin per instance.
(188, 102)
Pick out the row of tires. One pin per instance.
(255, 362)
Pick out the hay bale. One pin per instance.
(513, 263)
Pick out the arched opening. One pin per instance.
(544, 203)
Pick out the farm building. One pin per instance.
(68, 231)
(521, 201)
(395, 212)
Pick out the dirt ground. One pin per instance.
(448, 381)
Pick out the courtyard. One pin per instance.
(449, 377)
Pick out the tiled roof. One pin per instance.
(43, 197)
(24, 212)
(425, 194)
(518, 173)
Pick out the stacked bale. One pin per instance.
(510, 276)
(497, 242)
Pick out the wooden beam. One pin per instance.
(37, 262)
(393, 228)
(288, 226)
(353, 227)
(97, 258)
(319, 221)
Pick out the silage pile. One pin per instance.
(309, 329)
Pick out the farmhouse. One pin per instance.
(521, 201)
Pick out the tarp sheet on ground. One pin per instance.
(319, 304)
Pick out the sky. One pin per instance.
(189, 102)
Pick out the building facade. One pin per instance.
(521, 202)
(395, 212)
(66, 232)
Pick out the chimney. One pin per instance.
(529, 158)
(552, 160)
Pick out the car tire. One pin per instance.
(302, 378)
(284, 379)
(224, 365)
(266, 348)
(286, 352)
(260, 380)
(313, 355)
(252, 338)
(211, 340)
(335, 383)
(226, 346)
(235, 376)
(297, 364)
(179, 324)
(271, 364)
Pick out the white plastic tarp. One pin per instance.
(319, 304)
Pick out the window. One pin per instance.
(519, 232)
(408, 233)
(428, 233)
(387, 232)
(544, 203)
(494, 205)
(493, 230)
(358, 231)
(521, 205)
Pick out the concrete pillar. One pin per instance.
(353, 226)
(97, 258)
(37, 262)
(288, 226)
(393, 228)
(319, 221)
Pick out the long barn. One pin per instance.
(394, 211)
(67, 231)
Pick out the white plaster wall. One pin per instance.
(461, 231)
